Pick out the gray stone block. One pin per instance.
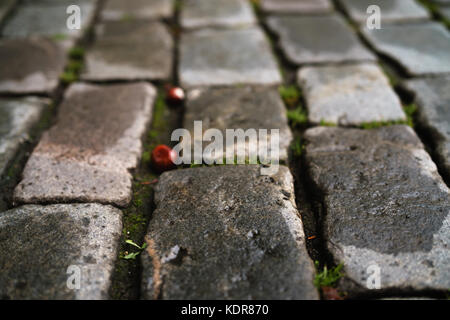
(386, 206)
(227, 57)
(129, 50)
(39, 244)
(318, 39)
(86, 156)
(349, 95)
(421, 49)
(226, 232)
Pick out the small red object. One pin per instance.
(175, 94)
(163, 158)
(330, 293)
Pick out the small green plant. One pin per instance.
(324, 123)
(410, 111)
(133, 255)
(298, 147)
(327, 277)
(76, 53)
(297, 117)
(68, 77)
(290, 95)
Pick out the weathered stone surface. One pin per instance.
(17, 118)
(139, 9)
(391, 10)
(216, 13)
(349, 94)
(419, 48)
(5, 8)
(433, 100)
(317, 39)
(48, 18)
(295, 6)
(385, 203)
(86, 155)
(226, 232)
(225, 57)
(239, 108)
(40, 243)
(30, 65)
(130, 50)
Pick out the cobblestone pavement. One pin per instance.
(360, 202)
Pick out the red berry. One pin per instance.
(176, 94)
(163, 158)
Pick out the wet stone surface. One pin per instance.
(295, 6)
(129, 50)
(386, 205)
(40, 243)
(391, 10)
(226, 232)
(86, 156)
(227, 57)
(136, 9)
(349, 95)
(239, 108)
(30, 65)
(433, 100)
(48, 18)
(420, 49)
(17, 117)
(318, 39)
(216, 13)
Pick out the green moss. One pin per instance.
(291, 95)
(410, 111)
(297, 147)
(324, 123)
(68, 77)
(327, 277)
(297, 117)
(127, 17)
(76, 53)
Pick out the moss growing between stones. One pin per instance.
(74, 66)
(297, 117)
(126, 277)
(291, 95)
(297, 147)
(324, 123)
(327, 277)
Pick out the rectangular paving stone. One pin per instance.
(137, 9)
(5, 8)
(391, 10)
(31, 65)
(318, 39)
(421, 49)
(386, 206)
(239, 108)
(227, 57)
(226, 232)
(86, 156)
(45, 247)
(17, 117)
(216, 13)
(48, 18)
(129, 50)
(297, 6)
(349, 95)
(433, 100)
